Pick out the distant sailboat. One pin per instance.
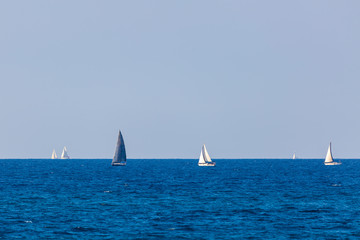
(53, 155)
(120, 153)
(64, 154)
(329, 159)
(205, 159)
(294, 157)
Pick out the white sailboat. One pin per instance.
(64, 154)
(205, 159)
(53, 155)
(329, 159)
(294, 157)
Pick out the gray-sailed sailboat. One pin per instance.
(120, 153)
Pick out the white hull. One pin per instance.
(119, 164)
(212, 164)
(332, 163)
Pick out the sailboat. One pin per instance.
(53, 155)
(294, 157)
(204, 159)
(120, 153)
(329, 159)
(64, 154)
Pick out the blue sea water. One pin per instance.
(176, 199)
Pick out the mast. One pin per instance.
(120, 153)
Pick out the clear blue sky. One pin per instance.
(250, 79)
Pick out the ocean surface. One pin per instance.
(176, 199)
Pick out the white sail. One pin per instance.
(201, 158)
(53, 155)
(294, 156)
(64, 154)
(206, 155)
(329, 157)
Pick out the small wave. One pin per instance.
(312, 211)
(62, 233)
(107, 204)
(83, 229)
(28, 221)
(336, 185)
(107, 191)
(187, 228)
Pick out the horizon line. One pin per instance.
(177, 159)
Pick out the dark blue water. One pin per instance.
(176, 199)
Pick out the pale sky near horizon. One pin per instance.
(250, 79)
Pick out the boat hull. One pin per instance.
(212, 164)
(118, 164)
(332, 163)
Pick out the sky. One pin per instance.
(250, 79)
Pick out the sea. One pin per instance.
(176, 199)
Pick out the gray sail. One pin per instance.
(120, 153)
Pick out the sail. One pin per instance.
(64, 154)
(294, 156)
(206, 155)
(329, 157)
(120, 153)
(201, 158)
(53, 155)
